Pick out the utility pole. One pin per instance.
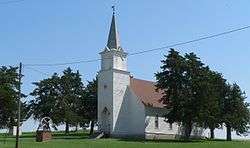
(19, 105)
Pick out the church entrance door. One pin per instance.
(106, 121)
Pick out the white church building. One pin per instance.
(129, 107)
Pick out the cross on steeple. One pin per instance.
(113, 8)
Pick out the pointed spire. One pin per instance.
(113, 38)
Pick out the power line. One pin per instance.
(191, 41)
(19, 104)
(149, 50)
(66, 63)
(11, 1)
(38, 71)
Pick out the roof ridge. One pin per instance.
(144, 80)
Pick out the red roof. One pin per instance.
(146, 92)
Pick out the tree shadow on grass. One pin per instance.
(224, 140)
(55, 135)
(160, 140)
(5, 140)
(25, 135)
(174, 140)
(28, 136)
(77, 135)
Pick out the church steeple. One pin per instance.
(113, 38)
(113, 57)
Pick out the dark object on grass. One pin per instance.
(43, 132)
(42, 136)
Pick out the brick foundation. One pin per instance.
(43, 136)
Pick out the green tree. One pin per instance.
(47, 101)
(9, 98)
(91, 103)
(196, 95)
(72, 88)
(184, 81)
(87, 108)
(195, 92)
(235, 111)
(172, 81)
(210, 113)
(57, 97)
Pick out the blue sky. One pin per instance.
(45, 31)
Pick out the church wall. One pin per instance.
(107, 61)
(131, 117)
(163, 128)
(114, 60)
(137, 115)
(120, 62)
(121, 80)
(105, 98)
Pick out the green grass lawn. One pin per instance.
(79, 140)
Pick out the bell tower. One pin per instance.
(113, 80)
(113, 56)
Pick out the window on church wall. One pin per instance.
(156, 122)
(170, 126)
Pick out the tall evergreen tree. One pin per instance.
(87, 109)
(235, 111)
(171, 80)
(195, 90)
(47, 101)
(181, 80)
(72, 88)
(210, 113)
(9, 98)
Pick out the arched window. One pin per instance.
(156, 122)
